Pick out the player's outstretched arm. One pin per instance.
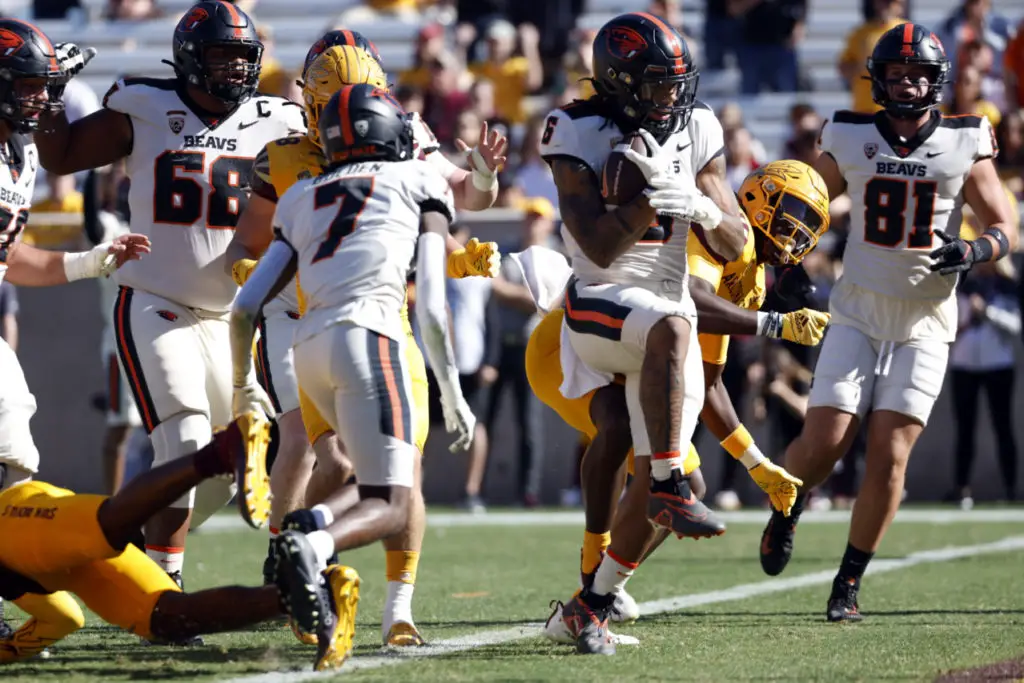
(476, 189)
(729, 238)
(275, 270)
(602, 235)
(720, 416)
(99, 139)
(33, 267)
(432, 316)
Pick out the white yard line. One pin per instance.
(439, 520)
(740, 592)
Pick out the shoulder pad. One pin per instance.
(127, 93)
(844, 116)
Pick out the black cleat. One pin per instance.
(5, 629)
(270, 565)
(302, 586)
(842, 604)
(589, 626)
(673, 506)
(777, 542)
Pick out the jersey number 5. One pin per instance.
(353, 194)
(885, 212)
(178, 195)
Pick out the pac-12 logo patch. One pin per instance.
(176, 121)
(870, 150)
(624, 43)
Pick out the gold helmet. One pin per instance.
(788, 202)
(333, 69)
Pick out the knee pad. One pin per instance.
(176, 437)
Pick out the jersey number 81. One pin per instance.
(885, 212)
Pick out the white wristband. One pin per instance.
(482, 182)
(79, 265)
(752, 457)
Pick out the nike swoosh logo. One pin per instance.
(243, 126)
(932, 154)
(680, 148)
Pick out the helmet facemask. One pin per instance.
(26, 97)
(794, 227)
(232, 73)
(932, 78)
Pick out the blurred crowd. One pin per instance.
(506, 64)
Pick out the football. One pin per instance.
(621, 180)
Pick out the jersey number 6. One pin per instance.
(178, 192)
(885, 211)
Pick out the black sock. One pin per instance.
(798, 505)
(854, 563)
(597, 602)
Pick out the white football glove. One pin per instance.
(251, 398)
(458, 418)
(655, 166)
(72, 58)
(669, 198)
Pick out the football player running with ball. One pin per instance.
(342, 58)
(189, 144)
(787, 202)
(628, 308)
(351, 235)
(908, 170)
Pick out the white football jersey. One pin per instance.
(189, 184)
(579, 132)
(17, 180)
(902, 192)
(354, 231)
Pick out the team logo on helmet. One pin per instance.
(625, 43)
(362, 127)
(10, 42)
(870, 150)
(938, 44)
(191, 20)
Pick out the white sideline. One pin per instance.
(739, 592)
(221, 523)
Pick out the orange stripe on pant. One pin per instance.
(130, 360)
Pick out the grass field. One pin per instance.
(944, 594)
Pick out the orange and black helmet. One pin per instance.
(908, 44)
(635, 53)
(337, 38)
(210, 24)
(364, 123)
(26, 53)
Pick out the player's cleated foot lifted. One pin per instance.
(556, 630)
(588, 623)
(777, 542)
(251, 470)
(673, 506)
(403, 634)
(842, 603)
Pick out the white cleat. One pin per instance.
(556, 631)
(624, 609)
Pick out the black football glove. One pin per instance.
(793, 286)
(955, 256)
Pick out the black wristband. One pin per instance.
(1001, 239)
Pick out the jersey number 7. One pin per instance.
(178, 195)
(885, 212)
(353, 194)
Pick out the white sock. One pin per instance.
(170, 559)
(323, 546)
(324, 515)
(397, 606)
(611, 576)
(661, 467)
